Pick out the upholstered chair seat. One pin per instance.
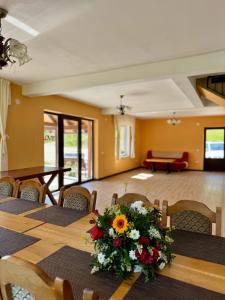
(190, 220)
(76, 201)
(30, 193)
(6, 189)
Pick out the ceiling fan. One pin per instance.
(122, 109)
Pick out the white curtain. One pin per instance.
(127, 121)
(5, 100)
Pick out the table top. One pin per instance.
(161, 160)
(194, 271)
(34, 171)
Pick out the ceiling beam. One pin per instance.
(189, 66)
(211, 96)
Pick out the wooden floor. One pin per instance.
(207, 187)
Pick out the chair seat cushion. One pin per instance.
(6, 189)
(76, 201)
(190, 220)
(30, 193)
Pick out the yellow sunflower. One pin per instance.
(120, 223)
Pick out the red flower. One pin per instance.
(143, 240)
(157, 245)
(117, 242)
(96, 233)
(155, 253)
(145, 257)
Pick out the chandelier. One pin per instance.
(122, 109)
(173, 121)
(11, 49)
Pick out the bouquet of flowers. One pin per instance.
(130, 240)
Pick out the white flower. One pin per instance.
(94, 269)
(154, 233)
(142, 211)
(137, 205)
(134, 234)
(132, 255)
(162, 265)
(112, 232)
(137, 268)
(101, 258)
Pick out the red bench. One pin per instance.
(180, 163)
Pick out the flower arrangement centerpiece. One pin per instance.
(131, 239)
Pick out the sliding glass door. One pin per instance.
(68, 142)
(214, 158)
(70, 151)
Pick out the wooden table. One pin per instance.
(197, 272)
(37, 172)
(167, 161)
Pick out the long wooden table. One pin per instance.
(37, 172)
(167, 161)
(197, 272)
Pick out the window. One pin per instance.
(214, 143)
(124, 141)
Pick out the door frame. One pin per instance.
(216, 160)
(61, 118)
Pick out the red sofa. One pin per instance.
(180, 163)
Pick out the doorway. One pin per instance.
(68, 142)
(214, 149)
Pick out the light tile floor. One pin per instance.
(207, 187)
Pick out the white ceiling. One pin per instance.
(90, 36)
(142, 97)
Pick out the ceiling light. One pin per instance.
(173, 121)
(122, 109)
(11, 49)
(21, 25)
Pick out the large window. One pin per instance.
(124, 141)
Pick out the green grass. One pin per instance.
(215, 135)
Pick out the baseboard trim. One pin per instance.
(115, 174)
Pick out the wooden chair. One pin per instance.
(7, 186)
(77, 197)
(20, 279)
(31, 190)
(192, 216)
(128, 198)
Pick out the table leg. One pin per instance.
(168, 168)
(153, 166)
(48, 192)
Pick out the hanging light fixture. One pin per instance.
(11, 49)
(173, 121)
(122, 109)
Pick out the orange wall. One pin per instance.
(187, 136)
(25, 130)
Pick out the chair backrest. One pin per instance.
(192, 216)
(20, 279)
(7, 186)
(78, 198)
(129, 198)
(31, 190)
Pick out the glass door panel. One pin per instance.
(86, 150)
(70, 150)
(214, 149)
(51, 145)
